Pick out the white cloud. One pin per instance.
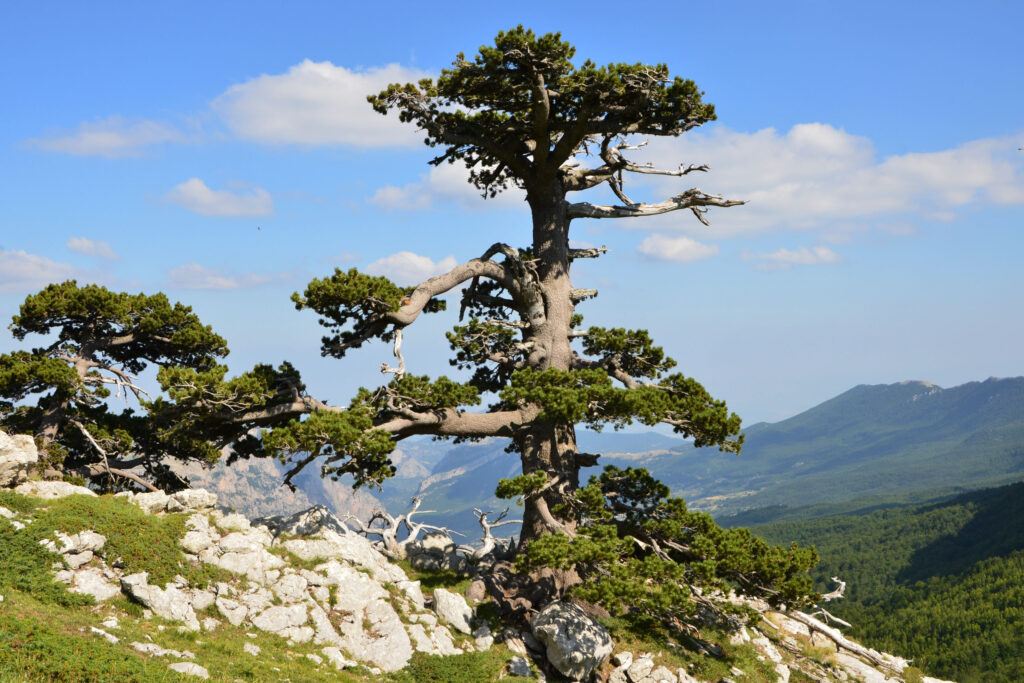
(318, 103)
(112, 137)
(676, 249)
(784, 259)
(448, 182)
(407, 268)
(21, 271)
(194, 195)
(412, 197)
(195, 276)
(816, 175)
(88, 247)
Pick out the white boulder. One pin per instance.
(18, 455)
(576, 644)
(51, 489)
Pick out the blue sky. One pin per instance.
(223, 153)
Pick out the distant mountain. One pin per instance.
(904, 442)
(871, 440)
(253, 487)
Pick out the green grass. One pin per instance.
(472, 667)
(679, 651)
(429, 580)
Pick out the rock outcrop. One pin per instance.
(18, 455)
(331, 595)
(576, 644)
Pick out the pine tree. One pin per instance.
(520, 114)
(100, 340)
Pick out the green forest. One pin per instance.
(940, 583)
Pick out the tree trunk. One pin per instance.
(546, 446)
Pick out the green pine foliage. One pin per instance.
(99, 341)
(941, 583)
(643, 553)
(492, 92)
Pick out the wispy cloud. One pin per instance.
(784, 259)
(816, 175)
(676, 249)
(21, 271)
(407, 268)
(112, 137)
(317, 103)
(96, 248)
(447, 182)
(195, 276)
(194, 195)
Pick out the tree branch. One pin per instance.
(453, 422)
(693, 199)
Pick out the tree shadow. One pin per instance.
(996, 529)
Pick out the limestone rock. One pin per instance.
(233, 611)
(156, 651)
(18, 455)
(483, 638)
(280, 617)
(861, 672)
(412, 590)
(290, 588)
(91, 581)
(234, 522)
(576, 644)
(251, 649)
(335, 657)
(152, 502)
(353, 549)
(190, 669)
(476, 592)
(170, 603)
(306, 523)
(518, 666)
(641, 667)
(51, 489)
(452, 608)
(108, 636)
(191, 499)
(384, 643)
(254, 564)
(661, 674)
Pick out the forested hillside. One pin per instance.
(942, 583)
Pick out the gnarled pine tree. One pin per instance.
(521, 115)
(518, 115)
(103, 340)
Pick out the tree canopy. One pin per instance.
(99, 342)
(519, 114)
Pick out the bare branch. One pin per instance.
(591, 252)
(399, 372)
(489, 541)
(837, 593)
(578, 295)
(694, 199)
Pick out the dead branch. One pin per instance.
(694, 199)
(590, 252)
(399, 371)
(488, 541)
